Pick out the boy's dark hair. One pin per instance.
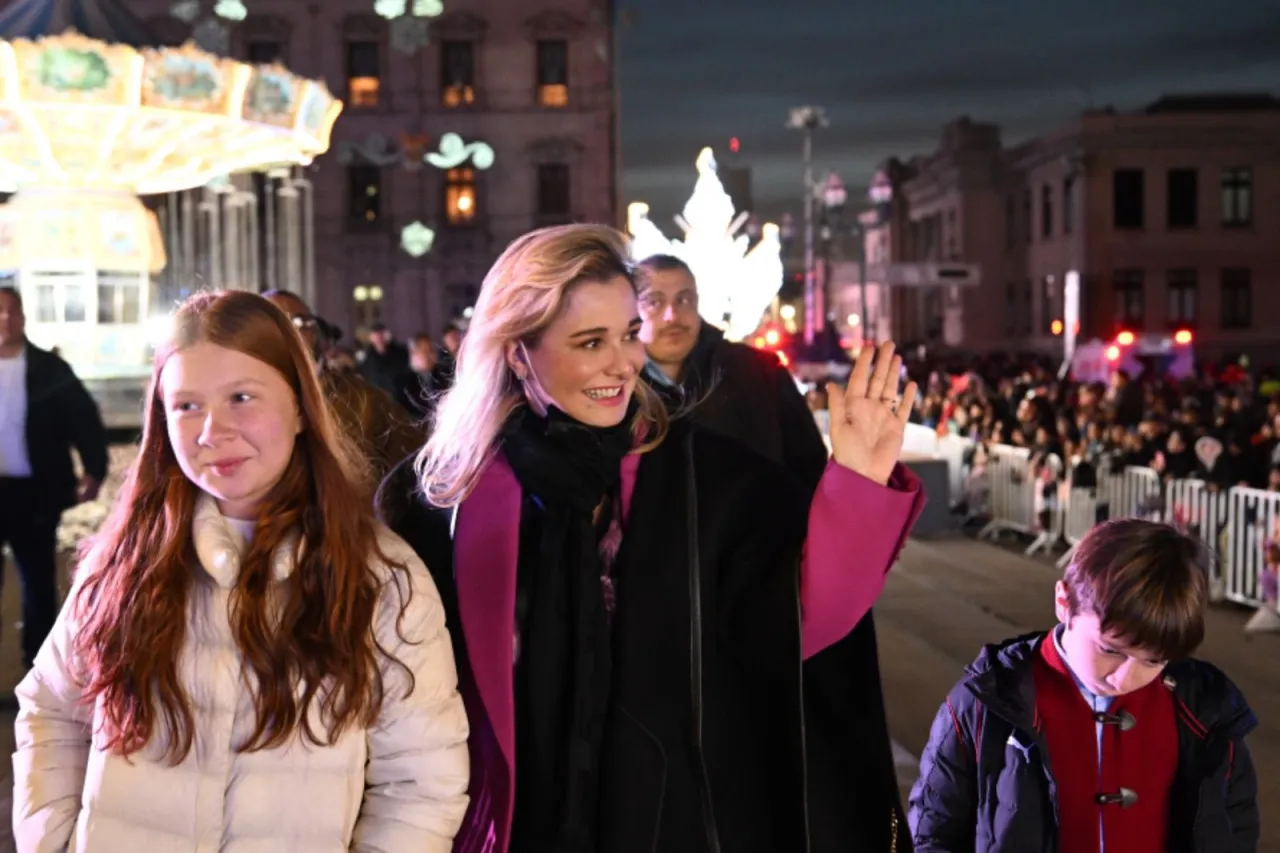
(658, 263)
(14, 292)
(1146, 582)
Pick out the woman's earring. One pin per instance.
(519, 371)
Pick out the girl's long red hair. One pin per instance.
(308, 639)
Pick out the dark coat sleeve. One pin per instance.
(942, 810)
(1242, 801)
(804, 452)
(83, 420)
(759, 569)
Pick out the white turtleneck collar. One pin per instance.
(222, 542)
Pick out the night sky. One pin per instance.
(891, 73)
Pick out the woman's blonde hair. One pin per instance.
(522, 294)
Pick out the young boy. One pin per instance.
(1101, 736)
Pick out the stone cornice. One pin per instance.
(459, 26)
(553, 23)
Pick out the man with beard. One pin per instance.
(744, 393)
(381, 428)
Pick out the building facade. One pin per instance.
(1169, 213)
(519, 107)
(1166, 213)
(954, 203)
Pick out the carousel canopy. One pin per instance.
(105, 20)
(77, 113)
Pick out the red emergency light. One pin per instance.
(1113, 353)
(1182, 336)
(1125, 338)
(1056, 327)
(771, 337)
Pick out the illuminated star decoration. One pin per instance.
(735, 285)
(211, 33)
(409, 21)
(454, 152)
(416, 238)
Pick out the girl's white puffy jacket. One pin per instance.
(399, 787)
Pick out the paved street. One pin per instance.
(946, 598)
(943, 601)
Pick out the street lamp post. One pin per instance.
(833, 194)
(808, 119)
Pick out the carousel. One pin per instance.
(87, 127)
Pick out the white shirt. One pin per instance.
(15, 461)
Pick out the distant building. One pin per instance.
(534, 81)
(1168, 213)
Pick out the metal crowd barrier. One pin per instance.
(1241, 526)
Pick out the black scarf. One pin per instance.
(569, 468)
(697, 376)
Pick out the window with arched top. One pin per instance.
(459, 35)
(457, 73)
(262, 40)
(364, 43)
(553, 160)
(460, 198)
(552, 32)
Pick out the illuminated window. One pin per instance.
(61, 297)
(555, 201)
(460, 195)
(118, 297)
(364, 73)
(364, 194)
(74, 303)
(265, 51)
(553, 73)
(457, 73)
(368, 304)
(46, 303)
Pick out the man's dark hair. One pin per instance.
(658, 263)
(1146, 582)
(14, 292)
